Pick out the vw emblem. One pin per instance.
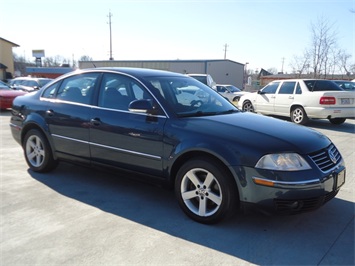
(332, 156)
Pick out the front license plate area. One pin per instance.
(340, 179)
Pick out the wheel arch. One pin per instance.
(40, 126)
(183, 158)
(295, 105)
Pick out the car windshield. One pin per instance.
(189, 97)
(233, 89)
(322, 85)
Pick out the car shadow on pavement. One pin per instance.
(304, 239)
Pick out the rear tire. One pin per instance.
(205, 191)
(298, 115)
(38, 152)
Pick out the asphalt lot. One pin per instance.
(80, 216)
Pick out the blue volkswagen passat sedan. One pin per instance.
(172, 128)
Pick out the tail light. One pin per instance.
(327, 100)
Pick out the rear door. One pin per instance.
(284, 98)
(68, 115)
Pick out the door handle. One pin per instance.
(95, 121)
(291, 97)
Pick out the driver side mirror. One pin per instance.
(142, 106)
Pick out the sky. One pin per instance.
(263, 33)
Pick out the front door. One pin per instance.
(122, 138)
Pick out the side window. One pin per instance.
(298, 89)
(78, 88)
(50, 92)
(287, 88)
(271, 88)
(117, 91)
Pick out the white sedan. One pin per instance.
(302, 99)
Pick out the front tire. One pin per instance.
(298, 115)
(248, 107)
(205, 191)
(38, 153)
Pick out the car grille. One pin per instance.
(284, 206)
(327, 158)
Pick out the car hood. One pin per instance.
(11, 93)
(258, 133)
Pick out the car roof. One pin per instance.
(140, 72)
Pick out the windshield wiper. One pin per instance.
(231, 111)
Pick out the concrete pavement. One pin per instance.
(80, 216)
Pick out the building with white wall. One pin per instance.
(222, 71)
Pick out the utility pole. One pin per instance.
(282, 67)
(225, 51)
(109, 22)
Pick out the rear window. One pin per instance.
(322, 85)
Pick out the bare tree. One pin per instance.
(343, 60)
(323, 40)
(85, 58)
(300, 64)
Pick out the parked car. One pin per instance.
(302, 99)
(205, 79)
(7, 95)
(217, 158)
(231, 92)
(346, 85)
(28, 84)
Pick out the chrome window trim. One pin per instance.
(155, 157)
(127, 112)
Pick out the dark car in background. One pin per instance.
(28, 84)
(217, 158)
(205, 79)
(346, 85)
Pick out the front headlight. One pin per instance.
(283, 162)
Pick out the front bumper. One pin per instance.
(287, 197)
